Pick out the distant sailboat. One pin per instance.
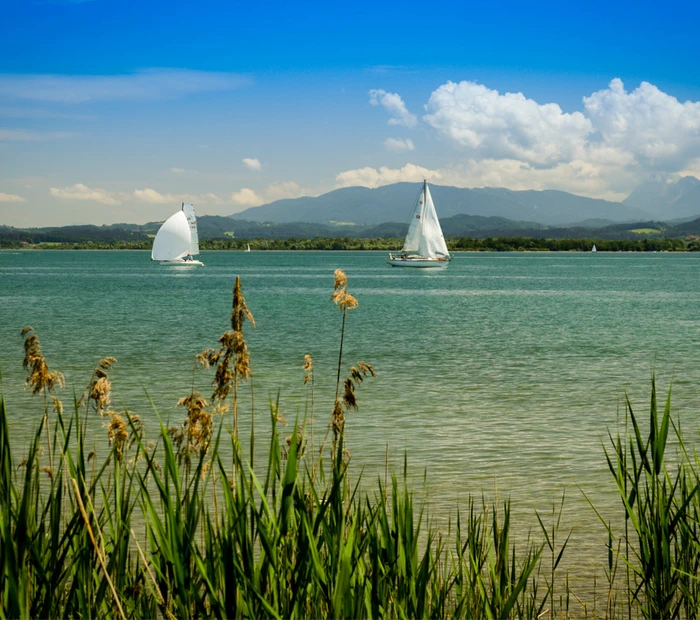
(177, 240)
(248, 248)
(594, 249)
(424, 245)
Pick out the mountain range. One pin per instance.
(394, 203)
(666, 200)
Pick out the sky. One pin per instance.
(117, 112)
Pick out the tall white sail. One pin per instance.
(424, 245)
(412, 241)
(174, 238)
(432, 243)
(188, 210)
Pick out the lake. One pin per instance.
(501, 374)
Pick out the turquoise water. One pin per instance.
(501, 373)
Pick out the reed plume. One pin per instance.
(196, 431)
(118, 434)
(99, 391)
(39, 377)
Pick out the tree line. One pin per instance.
(486, 244)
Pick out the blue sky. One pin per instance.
(117, 112)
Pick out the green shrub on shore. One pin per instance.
(175, 529)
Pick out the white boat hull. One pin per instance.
(418, 262)
(182, 263)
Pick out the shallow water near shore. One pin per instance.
(500, 374)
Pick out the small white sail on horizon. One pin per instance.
(424, 245)
(177, 240)
(594, 249)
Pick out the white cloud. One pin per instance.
(212, 198)
(492, 125)
(660, 131)
(285, 189)
(150, 195)
(371, 177)
(11, 198)
(618, 140)
(246, 198)
(178, 170)
(595, 180)
(83, 192)
(397, 145)
(251, 163)
(393, 104)
(145, 85)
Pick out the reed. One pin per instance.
(164, 528)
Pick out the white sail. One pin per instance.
(412, 241)
(173, 240)
(188, 210)
(424, 245)
(432, 243)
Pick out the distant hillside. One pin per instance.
(668, 200)
(394, 203)
(457, 226)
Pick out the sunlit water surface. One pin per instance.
(501, 374)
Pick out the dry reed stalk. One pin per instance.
(40, 378)
(161, 600)
(309, 377)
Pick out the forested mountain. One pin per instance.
(394, 203)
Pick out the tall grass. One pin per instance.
(161, 526)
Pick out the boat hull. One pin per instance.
(183, 263)
(418, 263)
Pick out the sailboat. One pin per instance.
(177, 240)
(424, 245)
(248, 248)
(594, 249)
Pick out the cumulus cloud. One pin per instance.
(397, 145)
(145, 85)
(246, 198)
(395, 106)
(492, 125)
(371, 177)
(252, 164)
(178, 170)
(79, 191)
(285, 189)
(617, 140)
(11, 198)
(655, 127)
(150, 195)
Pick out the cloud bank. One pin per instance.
(618, 139)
